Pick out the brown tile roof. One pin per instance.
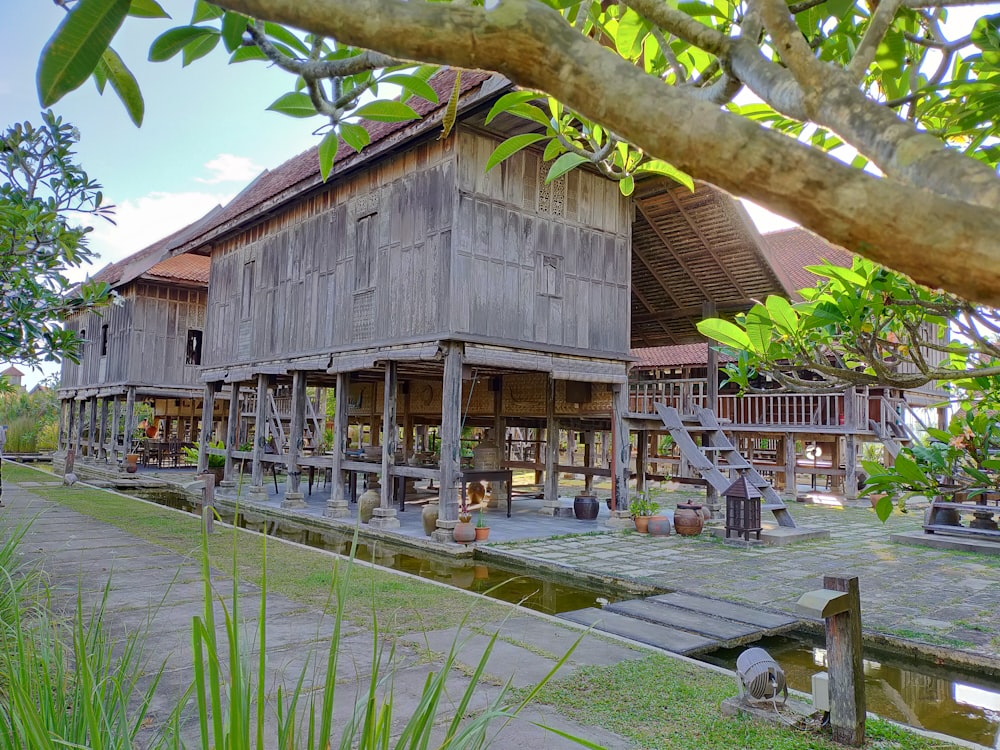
(188, 267)
(680, 355)
(301, 172)
(12, 371)
(791, 250)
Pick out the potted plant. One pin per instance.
(215, 464)
(482, 528)
(642, 509)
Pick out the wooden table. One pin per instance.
(489, 475)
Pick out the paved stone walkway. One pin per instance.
(152, 587)
(940, 597)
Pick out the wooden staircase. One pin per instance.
(717, 444)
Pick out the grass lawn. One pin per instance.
(657, 702)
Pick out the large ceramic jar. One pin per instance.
(465, 532)
(659, 526)
(429, 517)
(368, 502)
(688, 520)
(585, 507)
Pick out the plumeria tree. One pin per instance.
(46, 202)
(752, 96)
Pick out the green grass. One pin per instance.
(404, 604)
(663, 703)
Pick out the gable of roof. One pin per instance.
(791, 250)
(181, 268)
(681, 355)
(12, 372)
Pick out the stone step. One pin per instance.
(660, 636)
(699, 623)
(766, 621)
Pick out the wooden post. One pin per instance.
(116, 426)
(850, 467)
(260, 439)
(588, 460)
(537, 432)
(232, 433)
(619, 455)
(791, 489)
(407, 422)
(384, 517)
(81, 412)
(571, 451)
(102, 432)
(207, 409)
(208, 501)
(61, 442)
(91, 427)
(641, 460)
(129, 419)
(550, 496)
(451, 433)
(336, 506)
(296, 428)
(499, 438)
(844, 662)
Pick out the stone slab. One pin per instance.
(660, 636)
(779, 536)
(737, 612)
(701, 623)
(947, 541)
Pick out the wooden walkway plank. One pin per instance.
(663, 613)
(660, 636)
(729, 610)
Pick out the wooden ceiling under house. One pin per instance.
(689, 248)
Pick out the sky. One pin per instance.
(205, 135)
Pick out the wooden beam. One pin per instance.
(646, 303)
(588, 460)
(116, 408)
(704, 241)
(550, 496)
(336, 506)
(620, 468)
(91, 426)
(390, 434)
(232, 432)
(102, 434)
(293, 495)
(260, 437)
(677, 256)
(207, 409)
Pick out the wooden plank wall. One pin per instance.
(536, 263)
(363, 263)
(147, 338)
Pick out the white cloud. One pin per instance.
(230, 168)
(141, 222)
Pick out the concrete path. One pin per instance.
(941, 597)
(156, 589)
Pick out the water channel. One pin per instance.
(908, 689)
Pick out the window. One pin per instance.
(549, 275)
(246, 299)
(365, 257)
(104, 340)
(83, 341)
(192, 352)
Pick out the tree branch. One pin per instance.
(878, 26)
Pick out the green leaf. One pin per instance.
(76, 47)
(632, 29)
(293, 104)
(327, 153)
(124, 85)
(511, 146)
(907, 468)
(563, 164)
(724, 332)
(883, 508)
(507, 100)
(386, 111)
(233, 26)
(172, 41)
(355, 136)
(940, 435)
(147, 9)
(451, 110)
(204, 11)
(627, 185)
(552, 150)
(658, 166)
(782, 314)
(279, 32)
(199, 48)
(251, 52)
(758, 328)
(413, 86)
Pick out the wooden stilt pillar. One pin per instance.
(257, 488)
(408, 437)
(850, 467)
(451, 434)
(499, 489)
(232, 435)
(91, 427)
(537, 432)
(293, 494)
(550, 497)
(845, 664)
(207, 408)
(61, 443)
(102, 432)
(129, 426)
(619, 456)
(641, 461)
(588, 460)
(571, 451)
(384, 517)
(791, 489)
(70, 407)
(116, 429)
(81, 413)
(336, 506)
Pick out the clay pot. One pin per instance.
(688, 520)
(368, 502)
(464, 532)
(641, 523)
(585, 507)
(482, 533)
(659, 526)
(131, 462)
(429, 517)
